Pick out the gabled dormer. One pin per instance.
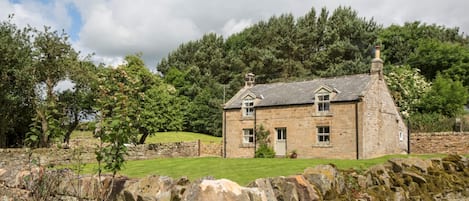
(247, 106)
(322, 99)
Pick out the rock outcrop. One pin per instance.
(398, 179)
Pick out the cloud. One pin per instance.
(115, 28)
(234, 26)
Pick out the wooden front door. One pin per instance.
(281, 141)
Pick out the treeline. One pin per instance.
(427, 68)
(210, 70)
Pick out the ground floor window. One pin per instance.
(248, 135)
(324, 135)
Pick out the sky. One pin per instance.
(112, 29)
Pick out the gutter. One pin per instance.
(255, 133)
(224, 133)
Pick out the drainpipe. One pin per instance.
(224, 133)
(255, 133)
(356, 130)
(408, 136)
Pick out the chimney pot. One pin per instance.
(249, 80)
(377, 52)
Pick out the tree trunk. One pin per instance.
(73, 125)
(44, 138)
(3, 133)
(145, 134)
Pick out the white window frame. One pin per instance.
(248, 107)
(324, 134)
(323, 102)
(248, 135)
(283, 132)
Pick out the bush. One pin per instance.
(265, 151)
(431, 122)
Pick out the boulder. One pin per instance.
(265, 186)
(327, 179)
(149, 188)
(399, 164)
(222, 189)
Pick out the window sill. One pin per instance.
(248, 117)
(322, 145)
(322, 114)
(246, 145)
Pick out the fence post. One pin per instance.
(198, 147)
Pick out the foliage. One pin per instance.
(431, 122)
(407, 87)
(264, 150)
(446, 97)
(432, 56)
(156, 103)
(283, 48)
(400, 42)
(16, 86)
(116, 115)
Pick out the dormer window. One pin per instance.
(248, 107)
(323, 102)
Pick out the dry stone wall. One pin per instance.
(398, 179)
(57, 156)
(443, 142)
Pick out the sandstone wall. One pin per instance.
(443, 142)
(397, 179)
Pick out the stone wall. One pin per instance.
(397, 179)
(57, 156)
(443, 142)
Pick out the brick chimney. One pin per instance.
(377, 64)
(249, 80)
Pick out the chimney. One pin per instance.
(377, 64)
(249, 80)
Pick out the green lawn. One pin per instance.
(241, 171)
(180, 136)
(161, 137)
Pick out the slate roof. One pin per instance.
(348, 88)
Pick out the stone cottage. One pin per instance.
(347, 117)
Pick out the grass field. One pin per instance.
(161, 137)
(241, 171)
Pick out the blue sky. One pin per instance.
(114, 28)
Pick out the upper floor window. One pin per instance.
(248, 135)
(323, 102)
(324, 136)
(248, 107)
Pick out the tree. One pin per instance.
(53, 57)
(401, 41)
(446, 97)
(78, 102)
(16, 86)
(432, 56)
(407, 88)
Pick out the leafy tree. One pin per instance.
(407, 87)
(78, 102)
(446, 97)
(53, 58)
(432, 56)
(400, 42)
(16, 87)
(116, 117)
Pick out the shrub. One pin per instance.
(265, 151)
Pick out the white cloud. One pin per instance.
(115, 28)
(233, 26)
